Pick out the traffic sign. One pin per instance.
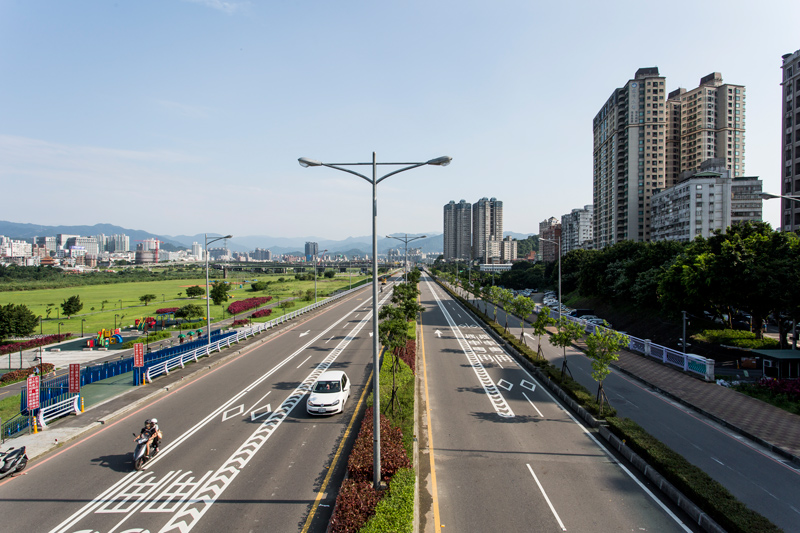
(74, 377)
(33, 392)
(138, 355)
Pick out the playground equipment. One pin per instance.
(105, 338)
(145, 324)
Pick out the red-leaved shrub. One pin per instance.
(241, 306)
(240, 322)
(409, 355)
(262, 312)
(166, 310)
(355, 504)
(393, 453)
(33, 343)
(19, 375)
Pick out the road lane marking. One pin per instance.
(255, 415)
(259, 401)
(552, 509)
(532, 405)
(434, 489)
(304, 361)
(336, 457)
(305, 333)
(504, 384)
(495, 396)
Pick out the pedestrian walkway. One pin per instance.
(767, 425)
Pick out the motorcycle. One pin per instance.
(13, 461)
(139, 456)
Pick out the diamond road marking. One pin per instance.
(504, 384)
(528, 385)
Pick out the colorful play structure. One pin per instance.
(105, 338)
(146, 324)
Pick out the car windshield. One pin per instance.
(327, 386)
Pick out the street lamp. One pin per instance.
(40, 325)
(163, 298)
(208, 301)
(315, 273)
(559, 275)
(375, 180)
(82, 322)
(406, 240)
(115, 323)
(59, 327)
(770, 196)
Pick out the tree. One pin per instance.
(393, 335)
(603, 348)
(190, 312)
(257, 286)
(147, 298)
(543, 319)
(568, 331)
(219, 292)
(103, 305)
(194, 291)
(504, 297)
(329, 274)
(16, 320)
(522, 306)
(72, 305)
(494, 297)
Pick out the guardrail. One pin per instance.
(164, 367)
(67, 406)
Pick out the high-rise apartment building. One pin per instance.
(487, 225)
(197, 251)
(122, 243)
(577, 229)
(457, 231)
(629, 158)
(549, 229)
(790, 141)
(508, 249)
(707, 122)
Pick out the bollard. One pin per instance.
(81, 404)
(35, 429)
(143, 378)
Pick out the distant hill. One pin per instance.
(16, 230)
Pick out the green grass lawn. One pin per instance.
(122, 299)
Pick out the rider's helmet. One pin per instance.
(154, 421)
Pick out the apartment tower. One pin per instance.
(457, 231)
(487, 227)
(790, 141)
(629, 158)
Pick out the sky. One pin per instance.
(188, 116)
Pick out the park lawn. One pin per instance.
(123, 299)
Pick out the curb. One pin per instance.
(676, 496)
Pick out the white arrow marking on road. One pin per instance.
(438, 333)
(370, 334)
(305, 333)
(529, 335)
(254, 416)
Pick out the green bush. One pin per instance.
(395, 512)
(699, 487)
(736, 337)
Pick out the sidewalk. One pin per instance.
(773, 428)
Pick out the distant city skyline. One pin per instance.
(191, 115)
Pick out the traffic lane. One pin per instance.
(755, 476)
(521, 433)
(509, 450)
(124, 438)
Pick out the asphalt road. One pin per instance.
(240, 453)
(506, 455)
(764, 481)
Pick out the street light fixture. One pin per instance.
(406, 240)
(83, 320)
(315, 273)
(208, 300)
(770, 196)
(375, 180)
(59, 327)
(115, 323)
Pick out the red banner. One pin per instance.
(33, 392)
(74, 377)
(138, 355)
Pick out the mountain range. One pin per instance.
(278, 245)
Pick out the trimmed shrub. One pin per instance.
(240, 306)
(157, 336)
(240, 322)
(166, 310)
(409, 355)
(23, 373)
(393, 453)
(699, 487)
(355, 503)
(395, 512)
(261, 313)
(33, 343)
(736, 337)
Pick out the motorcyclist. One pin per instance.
(152, 433)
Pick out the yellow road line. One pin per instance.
(336, 457)
(434, 491)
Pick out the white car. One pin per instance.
(329, 393)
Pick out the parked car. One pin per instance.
(329, 393)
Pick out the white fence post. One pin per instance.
(647, 347)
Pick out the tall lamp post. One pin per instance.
(115, 322)
(315, 273)
(208, 300)
(83, 320)
(406, 240)
(559, 275)
(59, 327)
(375, 180)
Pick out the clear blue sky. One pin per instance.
(188, 116)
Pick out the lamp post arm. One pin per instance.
(363, 177)
(417, 165)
